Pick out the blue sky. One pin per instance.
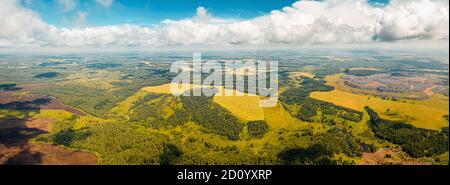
(149, 12)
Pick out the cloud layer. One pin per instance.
(305, 22)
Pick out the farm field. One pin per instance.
(428, 114)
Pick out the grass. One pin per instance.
(54, 114)
(426, 114)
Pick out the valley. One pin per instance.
(84, 110)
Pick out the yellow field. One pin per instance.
(244, 107)
(163, 89)
(423, 114)
(299, 74)
(278, 117)
(166, 89)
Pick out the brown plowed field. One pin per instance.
(16, 133)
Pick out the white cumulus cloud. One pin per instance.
(305, 22)
(414, 20)
(22, 27)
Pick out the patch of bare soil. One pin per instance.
(57, 105)
(43, 124)
(389, 157)
(5, 97)
(29, 87)
(43, 154)
(15, 148)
